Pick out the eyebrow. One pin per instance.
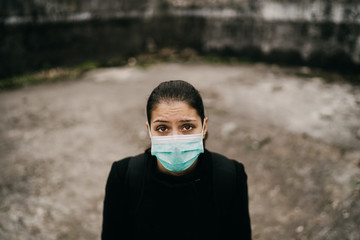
(160, 121)
(188, 120)
(164, 121)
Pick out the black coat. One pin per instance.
(174, 207)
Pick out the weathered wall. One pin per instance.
(39, 33)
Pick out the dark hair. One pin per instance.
(175, 90)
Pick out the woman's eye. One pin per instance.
(187, 127)
(161, 129)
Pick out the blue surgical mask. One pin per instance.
(177, 152)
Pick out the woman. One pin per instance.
(176, 189)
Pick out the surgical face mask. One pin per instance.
(177, 152)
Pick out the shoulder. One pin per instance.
(222, 160)
(119, 168)
(120, 165)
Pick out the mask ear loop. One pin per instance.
(149, 130)
(203, 127)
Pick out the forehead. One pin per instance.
(173, 111)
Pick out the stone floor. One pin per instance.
(298, 137)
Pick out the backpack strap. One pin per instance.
(224, 183)
(135, 182)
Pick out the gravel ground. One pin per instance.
(299, 138)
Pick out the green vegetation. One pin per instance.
(144, 61)
(51, 75)
(46, 76)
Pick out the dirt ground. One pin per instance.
(298, 137)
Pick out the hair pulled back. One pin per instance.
(175, 90)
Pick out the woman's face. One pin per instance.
(175, 118)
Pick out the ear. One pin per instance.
(148, 128)
(205, 126)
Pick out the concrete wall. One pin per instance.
(39, 33)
